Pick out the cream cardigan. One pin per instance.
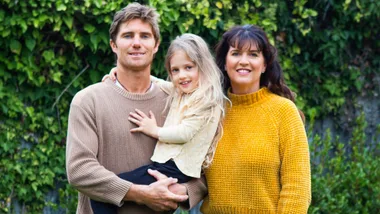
(185, 140)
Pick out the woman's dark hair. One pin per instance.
(242, 37)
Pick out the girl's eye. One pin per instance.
(254, 54)
(188, 67)
(175, 70)
(235, 53)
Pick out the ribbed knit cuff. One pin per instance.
(196, 190)
(118, 190)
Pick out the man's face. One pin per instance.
(135, 45)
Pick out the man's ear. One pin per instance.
(113, 46)
(156, 47)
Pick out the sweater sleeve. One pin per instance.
(197, 190)
(295, 195)
(84, 171)
(184, 131)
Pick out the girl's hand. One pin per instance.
(112, 75)
(147, 125)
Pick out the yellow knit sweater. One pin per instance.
(261, 164)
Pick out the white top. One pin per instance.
(185, 140)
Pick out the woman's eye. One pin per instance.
(235, 54)
(128, 36)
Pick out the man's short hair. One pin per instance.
(135, 11)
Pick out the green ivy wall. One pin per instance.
(51, 49)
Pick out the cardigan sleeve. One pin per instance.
(184, 131)
(84, 171)
(166, 86)
(295, 195)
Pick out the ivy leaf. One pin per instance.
(30, 43)
(95, 40)
(68, 20)
(98, 3)
(48, 55)
(94, 76)
(61, 7)
(5, 33)
(57, 76)
(219, 5)
(15, 46)
(89, 28)
(2, 14)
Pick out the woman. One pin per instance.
(261, 164)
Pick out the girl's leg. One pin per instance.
(137, 176)
(141, 176)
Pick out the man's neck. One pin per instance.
(134, 81)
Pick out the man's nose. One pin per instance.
(136, 42)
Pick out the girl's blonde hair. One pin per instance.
(209, 96)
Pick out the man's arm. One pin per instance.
(87, 175)
(84, 171)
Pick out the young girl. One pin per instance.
(187, 142)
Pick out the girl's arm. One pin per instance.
(164, 85)
(180, 133)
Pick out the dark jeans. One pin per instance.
(141, 176)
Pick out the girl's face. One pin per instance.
(184, 72)
(244, 68)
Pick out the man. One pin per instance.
(99, 142)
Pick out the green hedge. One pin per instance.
(346, 176)
(50, 49)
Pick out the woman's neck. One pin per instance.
(240, 90)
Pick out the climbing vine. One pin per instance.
(51, 49)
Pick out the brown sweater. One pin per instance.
(100, 144)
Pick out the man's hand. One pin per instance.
(176, 188)
(147, 125)
(156, 196)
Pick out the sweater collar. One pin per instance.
(133, 96)
(249, 99)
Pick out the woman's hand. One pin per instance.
(112, 75)
(147, 125)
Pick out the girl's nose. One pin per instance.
(181, 74)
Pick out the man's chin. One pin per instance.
(137, 66)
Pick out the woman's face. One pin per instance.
(244, 68)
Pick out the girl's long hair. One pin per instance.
(209, 95)
(242, 37)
